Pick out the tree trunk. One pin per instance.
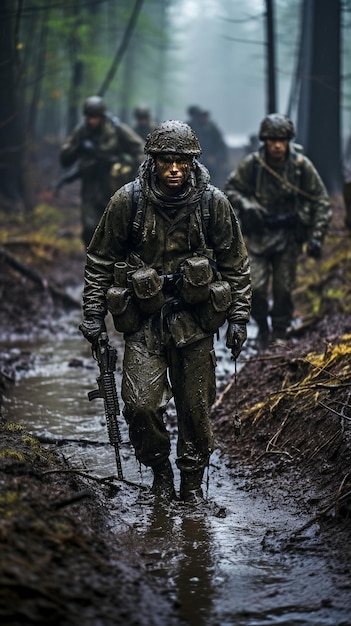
(271, 82)
(11, 130)
(318, 124)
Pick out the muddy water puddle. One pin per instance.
(229, 562)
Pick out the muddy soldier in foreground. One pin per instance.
(282, 203)
(169, 261)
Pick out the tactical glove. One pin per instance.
(91, 327)
(314, 249)
(252, 219)
(236, 337)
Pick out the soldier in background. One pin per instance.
(107, 154)
(214, 149)
(193, 112)
(144, 123)
(281, 203)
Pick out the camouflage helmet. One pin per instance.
(172, 137)
(276, 126)
(94, 106)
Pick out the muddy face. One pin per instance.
(173, 171)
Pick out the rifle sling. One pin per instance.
(286, 183)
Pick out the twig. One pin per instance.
(96, 478)
(321, 514)
(344, 417)
(37, 278)
(326, 443)
(85, 493)
(266, 452)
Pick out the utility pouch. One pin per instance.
(127, 316)
(212, 314)
(197, 276)
(147, 285)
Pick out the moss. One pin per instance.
(13, 427)
(34, 445)
(12, 454)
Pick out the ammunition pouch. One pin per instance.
(197, 276)
(127, 316)
(147, 286)
(212, 314)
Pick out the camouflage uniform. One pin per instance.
(279, 208)
(108, 157)
(172, 340)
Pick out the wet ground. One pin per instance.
(238, 559)
(272, 543)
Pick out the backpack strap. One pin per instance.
(138, 203)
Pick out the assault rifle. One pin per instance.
(75, 172)
(106, 357)
(70, 176)
(274, 222)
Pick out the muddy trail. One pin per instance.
(270, 545)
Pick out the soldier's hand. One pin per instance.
(314, 249)
(236, 337)
(91, 327)
(252, 219)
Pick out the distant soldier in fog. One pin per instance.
(281, 203)
(214, 149)
(108, 154)
(144, 124)
(193, 113)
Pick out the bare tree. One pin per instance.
(271, 58)
(11, 129)
(318, 120)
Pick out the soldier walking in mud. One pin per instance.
(281, 203)
(168, 260)
(108, 155)
(144, 124)
(214, 149)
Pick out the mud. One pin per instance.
(80, 548)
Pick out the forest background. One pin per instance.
(239, 60)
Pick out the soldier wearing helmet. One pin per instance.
(144, 124)
(169, 262)
(282, 204)
(107, 154)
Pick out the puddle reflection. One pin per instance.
(215, 569)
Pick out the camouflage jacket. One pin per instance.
(292, 200)
(172, 231)
(97, 151)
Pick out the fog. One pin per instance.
(217, 60)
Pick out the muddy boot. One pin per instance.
(279, 336)
(190, 486)
(263, 336)
(163, 486)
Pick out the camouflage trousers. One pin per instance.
(273, 276)
(150, 380)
